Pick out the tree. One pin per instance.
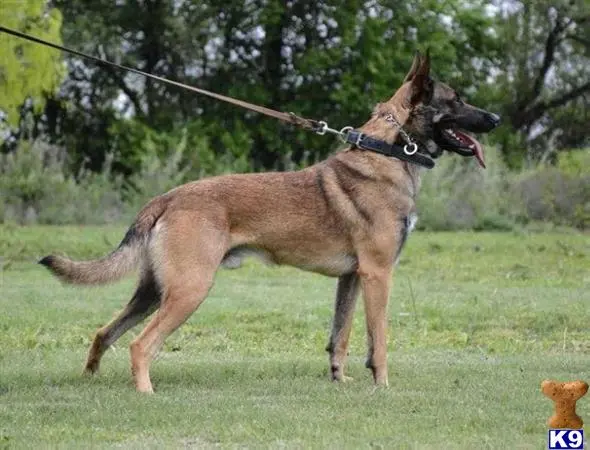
(90, 114)
(326, 59)
(28, 71)
(545, 72)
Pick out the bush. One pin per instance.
(157, 175)
(137, 145)
(559, 195)
(35, 187)
(187, 158)
(457, 194)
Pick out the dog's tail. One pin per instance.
(117, 264)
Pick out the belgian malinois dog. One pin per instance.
(347, 217)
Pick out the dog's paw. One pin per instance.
(342, 379)
(90, 370)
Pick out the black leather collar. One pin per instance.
(403, 152)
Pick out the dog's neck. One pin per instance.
(379, 128)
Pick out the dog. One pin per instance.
(347, 216)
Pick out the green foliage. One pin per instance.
(574, 162)
(28, 70)
(457, 194)
(36, 187)
(159, 161)
(542, 84)
(558, 195)
(329, 60)
(212, 149)
(323, 60)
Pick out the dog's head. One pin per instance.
(437, 117)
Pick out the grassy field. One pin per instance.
(477, 321)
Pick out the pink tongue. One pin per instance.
(479, 154)
(475, 146)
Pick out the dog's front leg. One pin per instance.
(346, 295)
(375, 283)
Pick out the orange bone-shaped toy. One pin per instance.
(565, 396)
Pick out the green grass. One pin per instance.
(477, 321)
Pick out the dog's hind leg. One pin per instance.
(189, 252)
(178, 304)
(346, 295)
(143, 303)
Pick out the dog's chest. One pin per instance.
(408, 226)
(411, 221)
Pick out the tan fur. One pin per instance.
(344, 217)
(120, 262)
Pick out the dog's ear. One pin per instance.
(421, 87)
(414, 68)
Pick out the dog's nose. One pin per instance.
(494, 119)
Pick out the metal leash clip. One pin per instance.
(324, 128)
(342, 134)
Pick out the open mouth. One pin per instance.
(460, 142)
